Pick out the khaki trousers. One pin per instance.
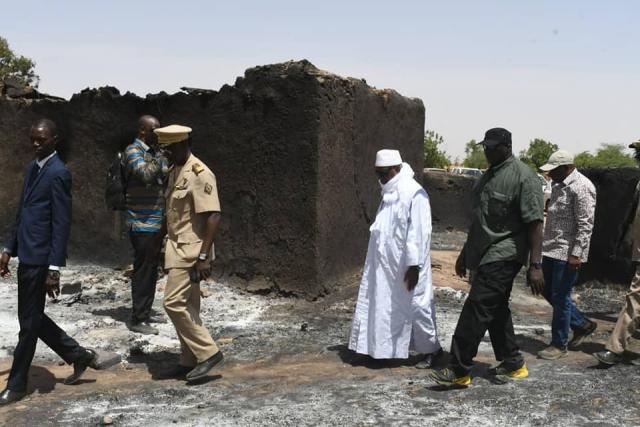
(182, 303)
(628, 317)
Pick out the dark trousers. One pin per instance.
(487, 308)
(35, 324)
(145, 276)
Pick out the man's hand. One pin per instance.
(461, 266)
(4, 265)
(203, 268)
(535, 280)
(411, 277)
(52, 284)
(574, 263)
(534, 274)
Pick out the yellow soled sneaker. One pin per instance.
(447, 377)
(508, 371)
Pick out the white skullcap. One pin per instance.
(386, 158)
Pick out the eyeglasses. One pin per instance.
(382, 172)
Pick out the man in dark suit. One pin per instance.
(39, 238)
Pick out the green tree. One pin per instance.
(433, 156)
(17, 67)
(583, 160)
(607, 156)
(538, 153)
(474, 156)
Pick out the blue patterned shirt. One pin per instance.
(146, 172)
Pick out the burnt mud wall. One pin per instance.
(259, 137)
(91, 125)
(356, 122)
(610, 251)
(271, 139)
(450, 198)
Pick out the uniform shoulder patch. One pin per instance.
(208, 188)
(197, 168)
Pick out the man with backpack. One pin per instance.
(145, 172)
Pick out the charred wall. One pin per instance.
(291, 146)
(610, 251)
(450, 198)
(356, 122)
(259, 137)
(92, 126)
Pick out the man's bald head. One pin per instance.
(48, 125)
(146, 125)
(44, 137)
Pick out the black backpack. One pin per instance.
(115, 193)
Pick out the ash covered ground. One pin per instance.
(287, 364)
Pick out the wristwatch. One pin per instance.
(202, 257)
(537, 265)
(54, 274)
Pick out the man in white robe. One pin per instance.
(395, 312)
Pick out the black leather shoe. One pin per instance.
(202, 369)
(608, 357)
(9, 396)
(81, 365)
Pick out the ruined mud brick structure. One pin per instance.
(292, 148)
(610, 251)
(450, 198)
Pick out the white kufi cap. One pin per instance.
(386, 158)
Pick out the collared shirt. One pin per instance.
(570, 218)
(145, 188)
(191, 190)
(44, 161)
(505, 200)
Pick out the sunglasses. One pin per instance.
(383, 172)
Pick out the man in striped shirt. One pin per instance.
(567, 236)
(146, 171)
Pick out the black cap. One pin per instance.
(496, 136)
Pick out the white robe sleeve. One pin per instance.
(419, 232)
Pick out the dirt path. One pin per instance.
(288, 365)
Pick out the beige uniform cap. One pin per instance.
(172, 134)
(559, 158)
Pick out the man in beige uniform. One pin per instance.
(629, 317)
(192, 219)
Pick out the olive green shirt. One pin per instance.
(506, 199)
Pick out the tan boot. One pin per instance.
(552, 353)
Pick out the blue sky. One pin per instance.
(565, 71)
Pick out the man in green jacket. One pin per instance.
(505, 234)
